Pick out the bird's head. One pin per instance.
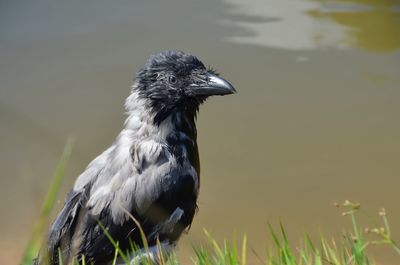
(176, 81)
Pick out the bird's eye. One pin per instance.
(172, 79)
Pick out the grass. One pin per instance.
(38, 233)
(351, 250)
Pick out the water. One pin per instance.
(316, 119)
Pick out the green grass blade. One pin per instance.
(36, 238)
(274, 237)
(214, 243)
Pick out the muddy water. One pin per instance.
(316, 119)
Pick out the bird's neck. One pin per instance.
(178, 119)
(177, 131)
(141, 124)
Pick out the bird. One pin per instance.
(148, 180)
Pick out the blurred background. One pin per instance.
(316, 119)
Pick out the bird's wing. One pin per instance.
(151, 187)
(63, 228)
(147, 184)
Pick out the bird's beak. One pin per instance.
(215, 85)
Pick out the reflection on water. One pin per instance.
(373, 26)
(315, 119)
(369, 24)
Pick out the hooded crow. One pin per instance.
(149, 176)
